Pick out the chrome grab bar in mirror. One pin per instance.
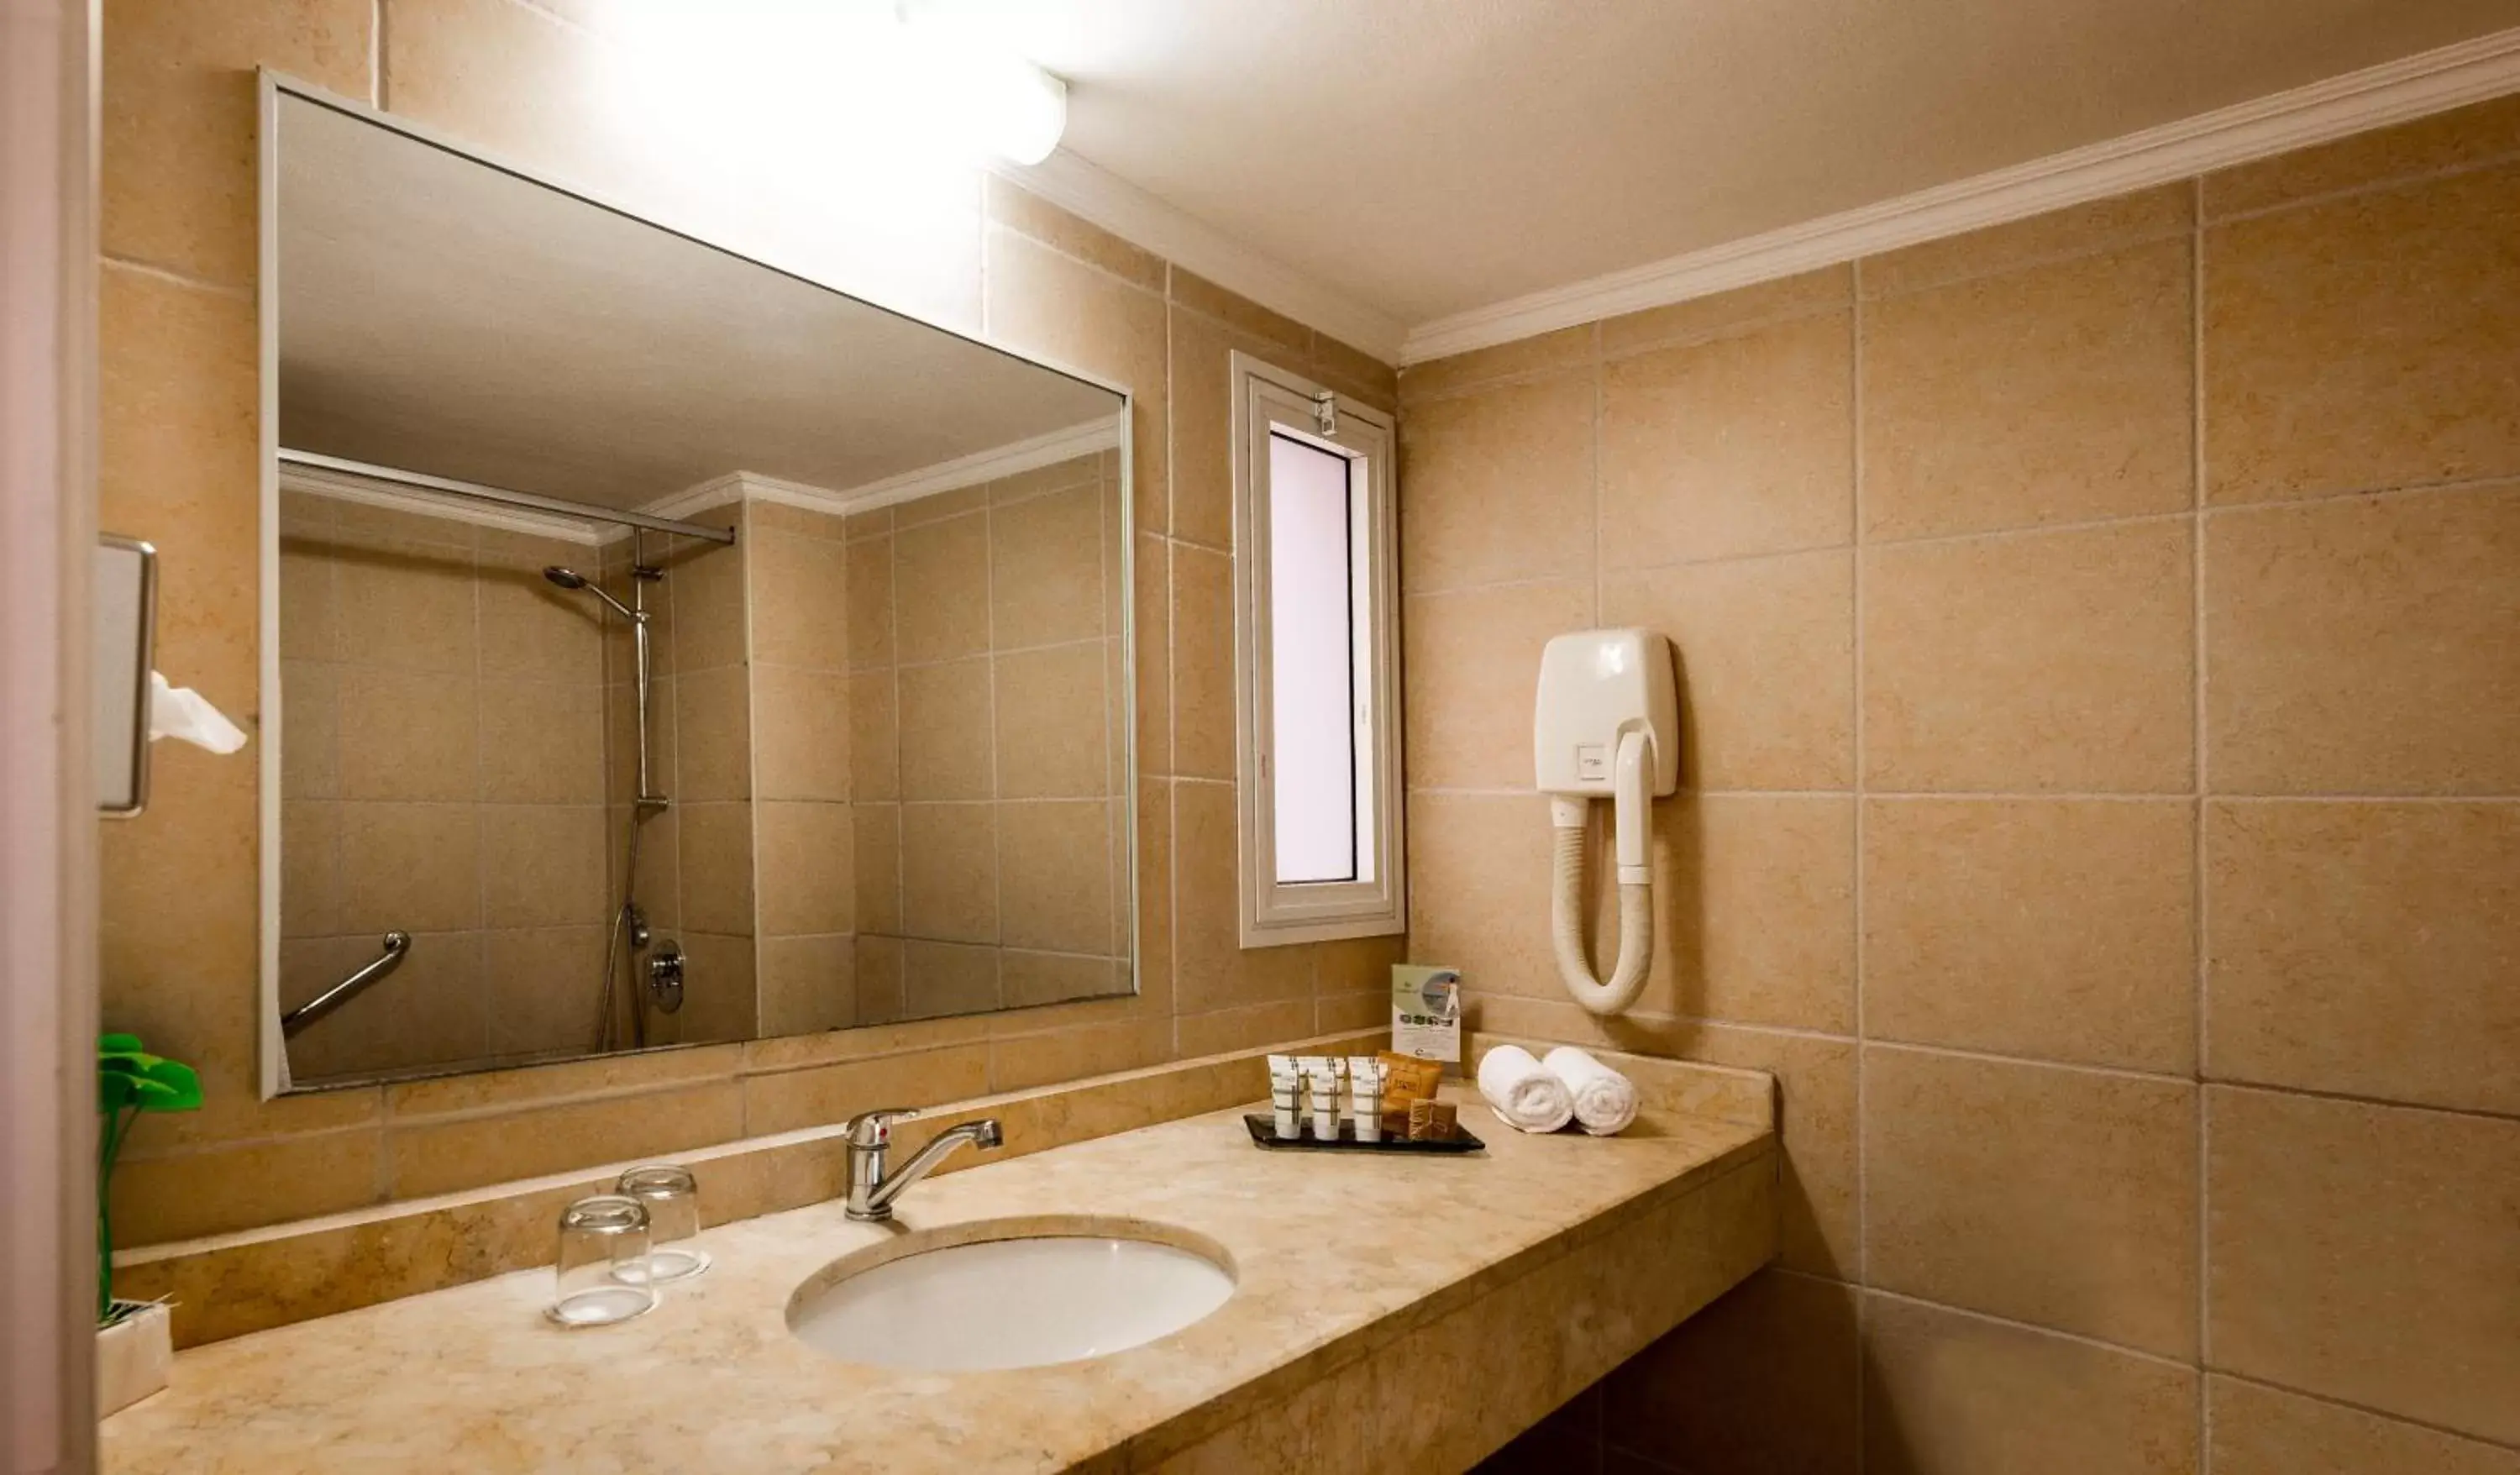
(396, 944)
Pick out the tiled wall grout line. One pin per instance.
(2034, 1327)
(2385, 1104)
(174, 278)
(1856, 318)
(2196, 838)
(2391, 491)
(2333, 1402)
(2374, 187)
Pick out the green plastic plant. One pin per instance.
(128, 1082)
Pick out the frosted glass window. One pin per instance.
(1316, 665)
(1312, 651)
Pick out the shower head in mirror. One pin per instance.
(570, 578)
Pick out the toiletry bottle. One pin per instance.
(1365, 1083)
(1326, 1098)
(1285, 1097)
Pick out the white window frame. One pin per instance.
(1271, 400)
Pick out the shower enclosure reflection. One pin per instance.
(670, 650)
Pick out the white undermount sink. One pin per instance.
(1014, 1293)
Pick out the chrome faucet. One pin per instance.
(871, 1190)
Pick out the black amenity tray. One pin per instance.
(1264, 1133)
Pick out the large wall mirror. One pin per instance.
(668, 650)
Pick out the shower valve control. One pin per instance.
(665, 977)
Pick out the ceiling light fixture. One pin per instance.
(882, 77)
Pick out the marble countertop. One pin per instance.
(1335, 1255)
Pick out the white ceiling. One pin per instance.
(441, 316)
(1426, 158)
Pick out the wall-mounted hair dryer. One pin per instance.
(1609, 723)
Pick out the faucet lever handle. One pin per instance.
(873, 1129)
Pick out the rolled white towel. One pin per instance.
(1605, 1101)
(1522, 1092)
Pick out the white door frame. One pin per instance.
(47, 791)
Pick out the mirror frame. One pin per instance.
(270, 86)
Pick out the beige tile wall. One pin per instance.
(2102, 810)
(179, 468)
(443, 775)
(992, 848)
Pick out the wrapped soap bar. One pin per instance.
(1406, 1079)
(1431, 1120)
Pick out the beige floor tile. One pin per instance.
(1740, 446)
(2361, 344)
(2366, 1253)
(2038, 662)
(1766, 656)
(2059, 394)
(2362, 646)
(2058, 929)
(1950, 1394)
(2066, 1199)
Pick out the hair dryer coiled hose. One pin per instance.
(1566, 919)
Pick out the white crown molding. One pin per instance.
(1086, 439)
(341, 487)
(1084, 188)
(2394, 92)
